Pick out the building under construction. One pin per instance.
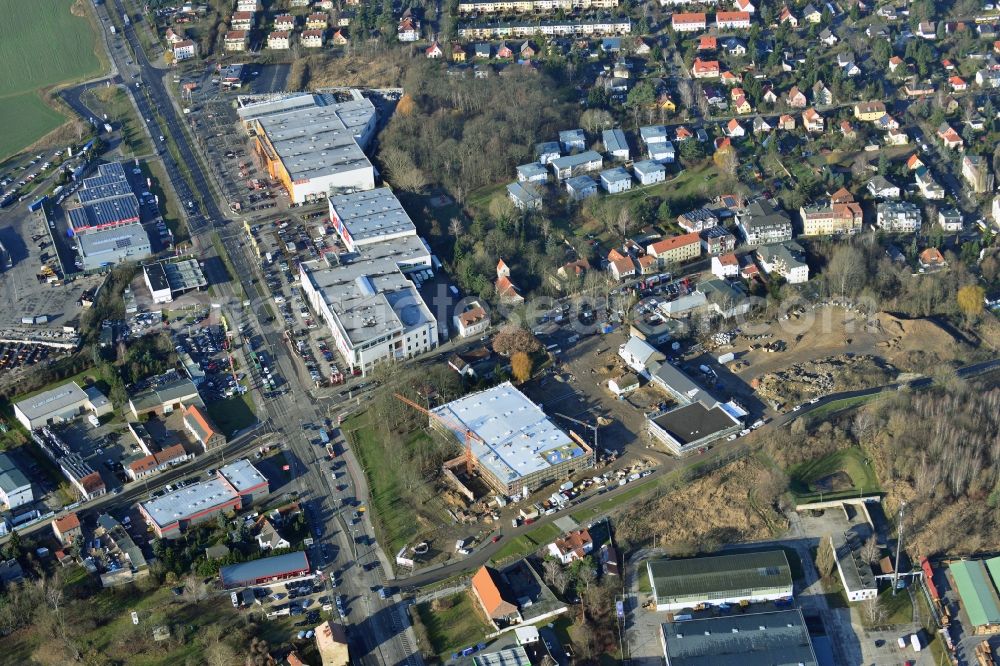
(510, 441)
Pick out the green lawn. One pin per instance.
(825, 411)
(398, 510)
(803, 478)
(41, 44)
(527, 543)
(452, 628)
(115, 103)
(233, 413)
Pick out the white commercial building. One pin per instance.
(313, 143)
(63, 403)
(514, 445)
(15, 489)
(374, 312)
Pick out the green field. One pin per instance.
(402, 511)
(840, 475)
(454, 623)
(41, 44)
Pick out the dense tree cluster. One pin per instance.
(465, 133)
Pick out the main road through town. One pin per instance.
(378, 628)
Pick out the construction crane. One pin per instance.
(585, 425)
(451, 425)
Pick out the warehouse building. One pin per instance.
(313, 143)
(63, 403)
(753, 639)
(235, 486)
(516, 447)
(15, 489)
(166, 280)
(721, 579)
(976, 582)
(107, 247)
(104, 201)
(265, 570)
(373, 310)
(165, 393)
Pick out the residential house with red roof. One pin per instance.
(200, 425)
(576, 545)
(731, 20)
(67, 528)
(725, 265)
(797, 99)
(676, 249)
(705, 69)
(688, 21)
(489, 589)
(949, 137)
(813, 121)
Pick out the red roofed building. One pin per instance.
(574, 546)
(726, 265)
(797, 98)
(707, 43)
(433, 51)
(705, 69)
(486, 587)
(813, 121)
(689, 22)
(683, 133)
(157, 462)
(931, 258)
(949, 137)
(507, 291)
(724, 20)
(202, 429)
(67, 528)
(472, 322)
(620, 266)
(676, 249)
(914, 162)
(957, 83)
(786, 16)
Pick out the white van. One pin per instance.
(94, 421)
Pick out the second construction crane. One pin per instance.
(454, 426)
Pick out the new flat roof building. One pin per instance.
(264, 570)
(331, 643)
(779, 638)
(516, 445)
(166, 393)
(105, 200)
(234, 487)
(373, 310)
(62, 403)
(730, 579)
(373, 216)
(112, 245)
(156, 282)
(690, 426)
(313, 143)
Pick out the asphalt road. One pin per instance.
(720, 450)
(378, 629)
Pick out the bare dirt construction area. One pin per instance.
(910, 345)
(811, 379)
(734, 504)
(914, 345)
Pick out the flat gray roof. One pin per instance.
(112, 244)
(316, 139)
(778, 638)
(372, 215)
(532, 169)
(53, 401)
(523, 192)
(647, 166)
(653, 133)
(157, 276)
(690, 423)
(615, 175)
(184, 275)
(517, 437)
(719, 576)
(368, 292)
(242, 474)
(510, 656)
(581, 182)
(188, 501)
